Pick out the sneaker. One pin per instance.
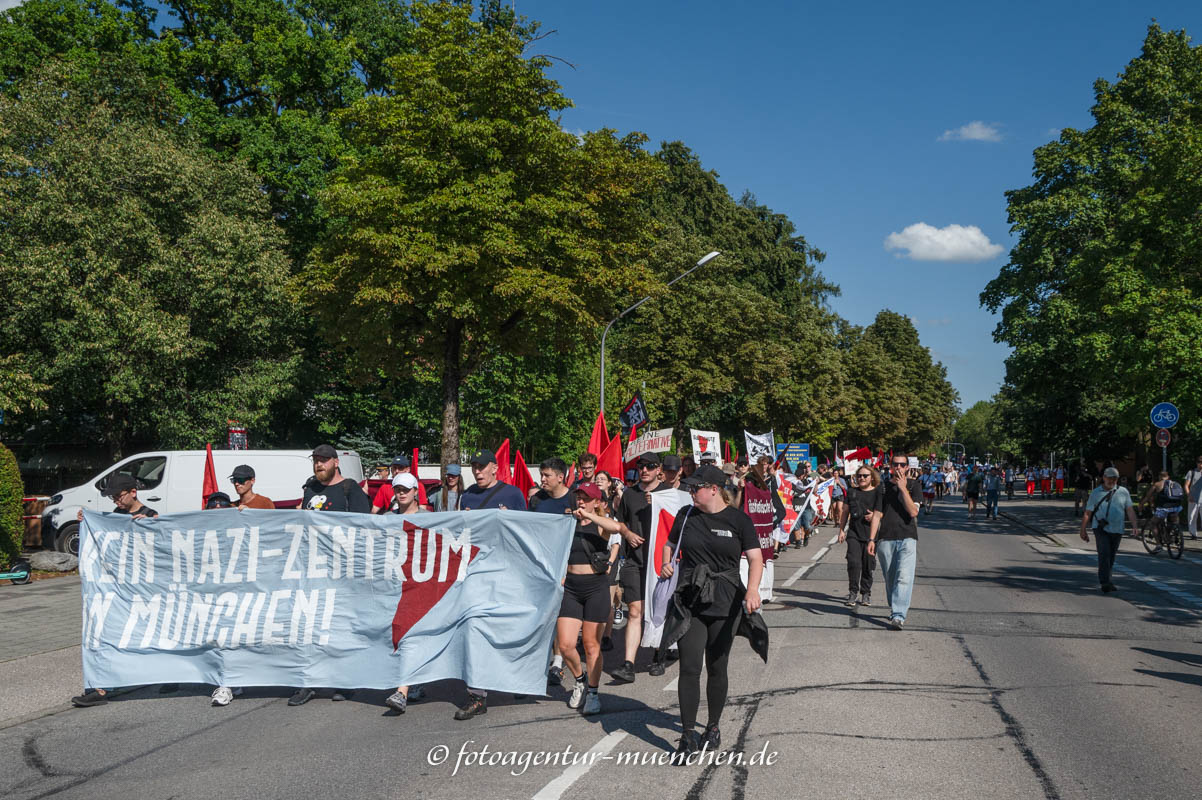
(712, 738)
(1109, 587)
(89, 698)
(865, 599)
(624, 673)
(607, 644)
(895, 623)
(555, 676)
(851, 599)
(416, 693)
(342, 694)
(222, 696)
(592, 704)
(619, 618)
(397, 702)
(474, 705)
(301, 697)
(577, 698)
(656, 668)
(689, 744)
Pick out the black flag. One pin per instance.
(634, 416)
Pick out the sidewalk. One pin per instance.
(1055, 518)
(40, 664)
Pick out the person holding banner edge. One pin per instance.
(713, 537)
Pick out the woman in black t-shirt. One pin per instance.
(716, 535)
(861, 512)
(586, 607)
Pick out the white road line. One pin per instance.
(834, 539)
(671, 687)
(555, 789)
(796, 576)
(1180, 594)
(820, 553)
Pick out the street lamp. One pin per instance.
(707, 258)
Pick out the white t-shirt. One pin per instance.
(1194, 478)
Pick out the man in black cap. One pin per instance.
(488, 492)
(670, 470)
(243, 478)
(634, 512)
(327, 490)
(383, 499)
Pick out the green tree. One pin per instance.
(975, 429)
(146, 281)
(466, 221)
(1102, 295)
(12, 491)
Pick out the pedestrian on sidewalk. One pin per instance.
(1104, 512)
(993, 489)
(1193, 487)
(1084, 485)
(857, 526)
(896, 541)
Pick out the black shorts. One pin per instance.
(973, 495)
(632, 581)
(586, 597)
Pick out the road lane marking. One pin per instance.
(555, 789)
(820, 553)
(796, 576)
(834, 539)
(671, 687)
(1180, 594)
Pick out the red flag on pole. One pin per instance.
(421, 487)
(726, 451)
(863, 454)
(521, 474)
(503, 473)
(210, 480)
(600, 438)
(611, 459)
(571, 479)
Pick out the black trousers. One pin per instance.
(860, 566)
(711, 638)
(1107, 545)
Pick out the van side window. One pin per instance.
(148, 472)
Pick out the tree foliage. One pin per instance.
(1101, 296)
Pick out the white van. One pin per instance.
(170, 481)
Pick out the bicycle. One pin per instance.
(1164, 531)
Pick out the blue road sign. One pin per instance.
(1164, 415)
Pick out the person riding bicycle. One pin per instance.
(1166, 495)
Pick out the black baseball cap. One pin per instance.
(218, 500)
(400, 461)
(741, 461)
(649, 459)
(119, 483)
(242, 472)
(324, 451)
(706, 475)
(672, 462)
(483, 458)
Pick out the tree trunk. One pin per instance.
(452, 377)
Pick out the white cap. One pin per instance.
(405, 480)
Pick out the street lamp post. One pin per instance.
(708, 257)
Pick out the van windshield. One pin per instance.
(147, 472)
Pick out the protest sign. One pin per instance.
(658, 441)
(664, 507)
(303, 598)
(706, 442)
(760, 444)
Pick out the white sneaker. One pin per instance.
(222, 696)
(592, 705)
(577, 698)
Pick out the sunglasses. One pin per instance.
(901, 463)
(648, 466)
(863, 477)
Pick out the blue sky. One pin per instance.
(856, 120)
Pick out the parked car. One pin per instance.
(171, 481)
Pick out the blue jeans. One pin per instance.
(991, 504)
(898, 558)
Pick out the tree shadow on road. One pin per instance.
(1189, 659)
(1180, 677)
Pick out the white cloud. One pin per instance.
(923, 242)
(975, 131)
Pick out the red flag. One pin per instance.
(726, 451)
(521, 474)
(611, 460)
(627, 464)
(503, 473)
(600, 438)
(421, 487)
(210, 481)
(571, 475)
(860, 455)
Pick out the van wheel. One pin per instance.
(67, 540)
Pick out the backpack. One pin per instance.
(1171, 493)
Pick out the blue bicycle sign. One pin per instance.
(1164, 415)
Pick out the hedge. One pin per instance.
(12, 527)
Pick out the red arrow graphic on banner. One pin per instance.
(419, 596)
(662, 529)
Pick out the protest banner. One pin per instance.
(706, 442)
(658, 441)
(634, 416)
(793, 453)
(664, 507)
(320, 599)
(760, 444)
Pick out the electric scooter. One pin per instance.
(18, 572)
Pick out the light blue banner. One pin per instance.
(320, 599)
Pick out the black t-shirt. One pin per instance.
(718, 541)
(1084, 480)
(635, 513)
(544, 503)
(587, 540)
(346, 495)
(497, 495)
(860, 502)
(144, 510)
(896, 523)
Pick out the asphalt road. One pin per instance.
(1013, 678)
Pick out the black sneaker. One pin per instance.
(689, 744)
(607, 644)
(301, 697)
(656, 669)
(851, 599)
(1109, 587)
(865, 599)
(712, 738)
(89, 698)
(474, 705)
(624, 673)
(555, 676)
